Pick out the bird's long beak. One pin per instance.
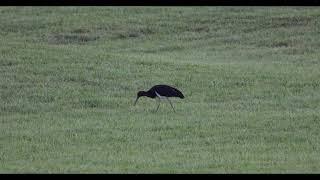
(135, 102)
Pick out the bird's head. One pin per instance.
(139, 94)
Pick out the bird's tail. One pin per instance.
(180, 95)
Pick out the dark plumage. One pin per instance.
(162, 92)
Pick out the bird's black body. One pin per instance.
(161, 91)
(164, 90)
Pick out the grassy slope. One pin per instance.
(69, 77)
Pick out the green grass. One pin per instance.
(69, 77)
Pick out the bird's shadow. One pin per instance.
(162, 112)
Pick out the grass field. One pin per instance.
(69, 77)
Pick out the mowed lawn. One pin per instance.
(69, 77)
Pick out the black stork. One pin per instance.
(162, 92)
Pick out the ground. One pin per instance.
(69, 77)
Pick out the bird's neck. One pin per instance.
(146, 93)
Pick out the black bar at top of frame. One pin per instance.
(160, 2)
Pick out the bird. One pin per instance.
(160, 91)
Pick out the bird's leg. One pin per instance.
(158, 105)
(170, 104)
